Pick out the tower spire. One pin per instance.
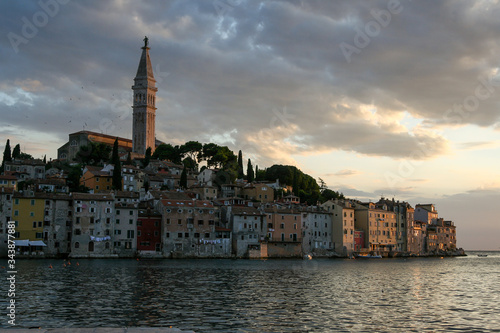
(144, 110)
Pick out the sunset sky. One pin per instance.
(378, 98)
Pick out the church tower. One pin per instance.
(144, 110)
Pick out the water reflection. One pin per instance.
(255, 296)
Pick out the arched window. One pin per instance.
(91, 247)
(107, 245)
(77, 245)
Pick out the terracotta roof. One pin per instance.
(245, 211)
(8, 177)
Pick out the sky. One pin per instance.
(378, 98)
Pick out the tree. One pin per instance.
(44, 159)
(17, 151)
(116, 181)
(240, 165)
(295, 182)
(114, 154)
(250, 175)
(191, 149)
(183, 180)
(147, 158)
(93, 154)
(168, 152)
(7, 157)
(322, 185)
(189, 163)
(129, 159)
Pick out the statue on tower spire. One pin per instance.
(146, 39)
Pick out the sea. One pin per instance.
(459, 294)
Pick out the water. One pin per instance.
(393, 295)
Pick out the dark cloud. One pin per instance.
(234, 69)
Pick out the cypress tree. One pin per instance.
(147, 158)
(45, 159)
(129, 159)
(250, 174)
(240, 165)
(7, 157)
(114, 154)
(17, 151)
(117, 171)
(183, 181)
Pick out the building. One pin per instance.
(68, 151)
(133, 178)
(258, 192)
(144, 101)
(378, 225)
(7, 181)
(317, 231)
(25, 169)
(343, 225)
(284, 232)
(29, 213)
(247, 225)
(97, 179)
(188, 229)
(426, 213)
(148, 230)
(93, 225)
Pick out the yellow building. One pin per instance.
(28, 211)
(97, 179)
(258, 192)
(8, 181)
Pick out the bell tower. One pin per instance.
(144, 110)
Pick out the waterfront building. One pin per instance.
(124, 234)
(148, 230)
(343, 225)
(378, 224)
(57, 224)
(6, 196)
(404, 217)
(441, 236)
(248, 228)
(317, 228)
(417, 243)
(29, 211)
(284, 232)
(93, 226)
(188, 229)
(426, 213)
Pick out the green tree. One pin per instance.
(44, 159)
(240, 165)
(147, 158)
(183, 180)
(93, 154)
(192, 149)
(114, 154)
(16, 152)
(189, 163)
(250, 174)
(166, 151)
(116, 180)
(7, 157)
(129, 159)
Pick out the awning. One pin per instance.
(21, 242)
(37, 243)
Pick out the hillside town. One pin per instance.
(111, 197)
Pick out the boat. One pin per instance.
(368, 256)
(308, 257)
(482, 255)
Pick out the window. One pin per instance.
(34, 224)
(77, 245)
(139, 233)
(117, 212)
(118, 232)
(200, 222)
(168, 221)
(39, 224)
(295, 226)
(32, 202)
(179, 235)
(207, 235)
(130, 221)
(167, 235)
(156, 233)
(16, 201)
(32, 213)
(211, 222)
(282, 226)
(16, 213)
(108, 210)
(117, 221)
(78, 232)
(131, 212)
(196, 235)
(130, 233)
(92, 209)
(186, 234)
(179, 221)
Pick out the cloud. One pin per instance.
(345, 173)
(475, 145)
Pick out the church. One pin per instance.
(143, 112)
